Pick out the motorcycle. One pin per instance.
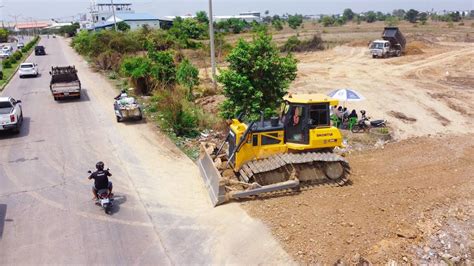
(104, 199)
(365, 124)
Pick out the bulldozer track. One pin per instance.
(289, 163)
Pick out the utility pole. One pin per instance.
(113, 12)
(211, 40)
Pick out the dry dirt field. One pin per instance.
(411, 200)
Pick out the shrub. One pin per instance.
(291, 44)
(163, 69)
(13, 60)
(295, 21)
(187, 75)
(139, 70)
(7, 63)
(175, 113)
(24, 50)
(108, 60)
(18, 55)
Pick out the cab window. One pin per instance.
(319, 115)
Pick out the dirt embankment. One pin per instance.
(410, 202)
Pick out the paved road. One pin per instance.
(162, 215)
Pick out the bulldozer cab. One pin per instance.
(301, 113)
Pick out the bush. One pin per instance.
(187, 75)
(293, 44)
(108, 60)
(24, 50)
(12, 60)
(18, 55)
(175, 113)
(163, 69)
(139, 70)
(7, 63)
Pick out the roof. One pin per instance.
(30, 25)
(134, 16)
(310, 98)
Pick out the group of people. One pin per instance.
(343, 113)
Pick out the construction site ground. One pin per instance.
(411, 200)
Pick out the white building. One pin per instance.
(136, 20)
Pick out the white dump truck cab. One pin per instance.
(380, 48)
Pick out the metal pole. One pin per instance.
(113, 12)
(211, 40)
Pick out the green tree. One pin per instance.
(187, 76)
(411, 15)
(69, 30)
(370, 17)
(257, 77)
(380, 16)
(201, 17)
(423, 17)
(348, 14)
(392, 21)
(400, 13)
(123, 26)
(4, 33)
(294, 21)
(327, 21)
(164, 68)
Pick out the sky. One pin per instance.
(64, 9)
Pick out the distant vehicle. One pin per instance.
(11, 114)
(5, 54)
(28, 69)
(127, 108)
(65, 83)
(20, 45)
(39, 50)
(7, 48)
(392, 44)
(54, 36)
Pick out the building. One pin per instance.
(250, 13)
(103, 17)
(136, 20)
(102, 11)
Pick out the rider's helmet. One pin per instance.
(99, 166)
(362, 112)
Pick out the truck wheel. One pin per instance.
(374, 56)
(118, 119)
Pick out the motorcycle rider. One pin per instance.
(101, 180)
(123, 94)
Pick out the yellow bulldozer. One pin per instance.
(280, 154)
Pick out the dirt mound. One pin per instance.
(415, 48)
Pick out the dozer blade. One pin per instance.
(211, 177)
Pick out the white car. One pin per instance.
(7, 48)
(20, 46)
(11, 114)
(4, 54)
(28, 69)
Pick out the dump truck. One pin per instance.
(392, 44)
(282, 154)
(64, 82)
